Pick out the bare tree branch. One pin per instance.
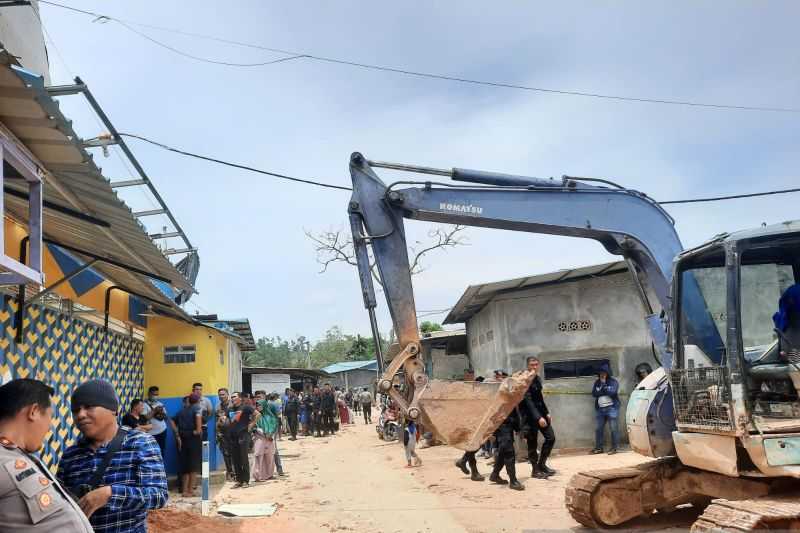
(332, 246)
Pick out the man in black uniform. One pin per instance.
(537, 418)
(291, 410)
(308, 403)
(316, 411)
(505, 452)
(328, 410)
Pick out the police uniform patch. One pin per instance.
(19, 464)
(43, 481)
(5, 442)
(44, 500)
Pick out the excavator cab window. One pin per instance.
(702, 293)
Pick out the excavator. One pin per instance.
(720, 416)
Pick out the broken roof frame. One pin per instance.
(81, 207)
(80, 87)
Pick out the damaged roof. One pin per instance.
(73, 181)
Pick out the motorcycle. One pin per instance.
(388, 428)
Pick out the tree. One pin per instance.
(428, 326)
(276, 352)
(336, 246)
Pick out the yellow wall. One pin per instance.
(175, 379)
(94, 298)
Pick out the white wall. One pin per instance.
(21, 34)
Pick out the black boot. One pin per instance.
(475, 476)
(546, 469)
(511, 468)
(516, 485)
(538, 473)
(462, 465)
(495, 478)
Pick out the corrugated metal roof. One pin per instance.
(346, 366)
(73, 180)
(239, 326)
(477, 296)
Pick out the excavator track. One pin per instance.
(766, 513)
(604, 498)
(607, 498)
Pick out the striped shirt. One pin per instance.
(135, 474)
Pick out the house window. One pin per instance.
(580, 368)
(179, 354)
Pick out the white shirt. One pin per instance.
(159, 426)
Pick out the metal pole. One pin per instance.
(205, 473)
(376, 335)
(51, 288)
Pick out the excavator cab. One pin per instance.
(736, 387)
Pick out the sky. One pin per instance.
(304, 118)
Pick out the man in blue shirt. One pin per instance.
(134, 481)
(606, 405)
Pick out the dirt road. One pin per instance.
(355, 482)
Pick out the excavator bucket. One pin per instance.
(465, 413)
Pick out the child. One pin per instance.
(410, 442)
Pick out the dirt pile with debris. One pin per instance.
(170, 520)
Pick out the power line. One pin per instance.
(203, 59)
(731, 197)
(343, 188)
(302, 55)
(235, 165)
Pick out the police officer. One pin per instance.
(31, 499)
(505, 452)
(537, 419)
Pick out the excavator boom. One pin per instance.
(625, 222)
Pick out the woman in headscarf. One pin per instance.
(264, 442)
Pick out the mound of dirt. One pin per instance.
(177, 521)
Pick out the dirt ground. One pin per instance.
(355, 482)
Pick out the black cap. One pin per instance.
(95, 393)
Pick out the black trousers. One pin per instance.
(239, 450)
(292, 421)
(317, 422)
(327, 421)
(532, 437)
(367, 412)
(225, 448)
(505, 457)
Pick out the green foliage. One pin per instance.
(336, 346)
(428, 326)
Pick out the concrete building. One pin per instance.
(353, 374)
(572, 320)
(445, 354)
(273, 379)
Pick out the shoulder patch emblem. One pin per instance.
(45, 500)
(19, 464)
(43, 481)
(6, 443)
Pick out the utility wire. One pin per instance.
(406, 72)
(731, 197)
(203, 59)
(235, 165)
(343, 188)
